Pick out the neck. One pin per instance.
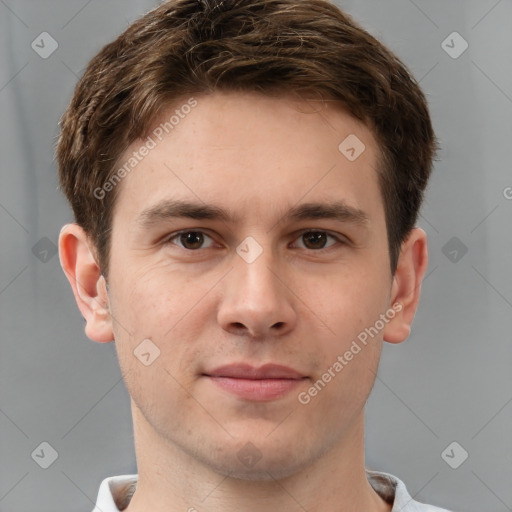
(171, 480)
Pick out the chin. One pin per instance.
(260, 473)
(266, 465)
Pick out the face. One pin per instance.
(249, 256)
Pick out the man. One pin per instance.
(246, 176)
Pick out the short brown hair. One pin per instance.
(189, 47)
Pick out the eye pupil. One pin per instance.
(315, 237)
(193, 238)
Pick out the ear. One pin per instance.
(77, 258)
(406, 287)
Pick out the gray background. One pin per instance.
(451, 381)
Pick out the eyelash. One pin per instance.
(168, 240)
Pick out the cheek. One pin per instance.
(143, 312)
(349, 303)
(155, 298)
(167, 307)
(351, 308)
(155, 328)
(342, 386)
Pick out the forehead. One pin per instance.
(249, 151)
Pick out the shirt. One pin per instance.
(116, 491)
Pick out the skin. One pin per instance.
(300, 303)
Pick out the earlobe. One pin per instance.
(77, 258)
(406, 287)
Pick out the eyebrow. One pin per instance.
(171, 208)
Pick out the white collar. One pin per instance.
(113, 492)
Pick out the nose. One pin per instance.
(256, 301)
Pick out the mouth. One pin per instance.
(268, 382)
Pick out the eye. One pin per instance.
(316, 240)
(191, 240)
(194, 240)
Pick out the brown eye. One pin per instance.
(190, 240)
(315, 239)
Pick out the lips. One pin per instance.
(268, 382)
(246, 371)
